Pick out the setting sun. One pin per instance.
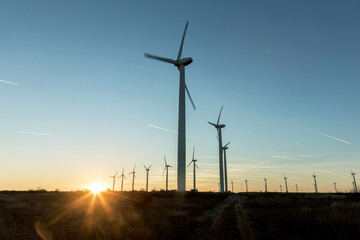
(97, 188)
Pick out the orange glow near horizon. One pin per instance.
(97, 188)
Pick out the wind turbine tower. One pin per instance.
(315, 184)
(286, 187)
(354, 183)
(297, 191)
(122, 176)
(167, 172)
(180, 63)
(221, 169)
(265, 184)
(133, 179)
(225, 166)
(113, 177)
(280, 188)
(147, 176)
(195, 166)
(232, 186)
(335, 187)
(246, 183)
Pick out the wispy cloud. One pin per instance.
(35, 133)
(332, 173)
(172, 131)
(15, 84)
(287, 158)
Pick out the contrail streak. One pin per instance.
(36, 133)
(322, 134)
(15, 84)
(168, 130)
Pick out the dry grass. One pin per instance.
(303, 216)
(128, 215)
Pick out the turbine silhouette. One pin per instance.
(114, 180)
(122, 176)
(195, 165)
(180, 63)
(147, 176)
(167, 172)
(133, 180)
(221, 168)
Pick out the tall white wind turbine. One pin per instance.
(133, 178)
(167, 172)
(232, 186)
(122, 176)
(180, 63)
(297, 191)
(221, 168)
(195, 166)
(225, 166)
(335, 187)
(114, 177)
(280, 188)
(246, 183)
(147, 176)
(354, 183)
(286, 187)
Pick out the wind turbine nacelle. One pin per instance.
(185, 61)
(221, 125)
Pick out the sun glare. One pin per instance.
(97, 188)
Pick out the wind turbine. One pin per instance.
(225, 166)
(335, 187)
(133, 180)
(315, 184)
(354, 183)
(122, 176)
(232, 186)
(221, 170)
(114, 180)
(180, 63)
(286, 184)
(265, 184)
(167, 171)
(147, 176)
(297, 191)
(246, 183)
(280, 188)
(195, 165)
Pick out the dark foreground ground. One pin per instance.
(171, 215)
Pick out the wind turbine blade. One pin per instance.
(193, 152)
(134, 168)
(212, 124)
(182, 41)
(227, 144)
(196, 165)
(189, 163)
(217, 136)
(164, 171)
(187, 90)
(165, 160)
(168, 60)
(123, 171)
(150, 166)
(125, 177)
(219, 115)
(115, 173)
(144, 166)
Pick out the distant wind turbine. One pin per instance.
(315, 184)
(167, 172)
(354, 183)
(232, 186)
(122, 176)
(265, 184)
(221, 169)
(147, 176)
(133, 179)
(195, 166)
(280, 188)
(297, 191)
(246, 183)
(114, 180)
(335, 187)
(180, 63)
(225, 166)
(286, 187)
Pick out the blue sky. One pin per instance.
(287, 73)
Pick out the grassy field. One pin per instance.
(172, 215)
(303, 216)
